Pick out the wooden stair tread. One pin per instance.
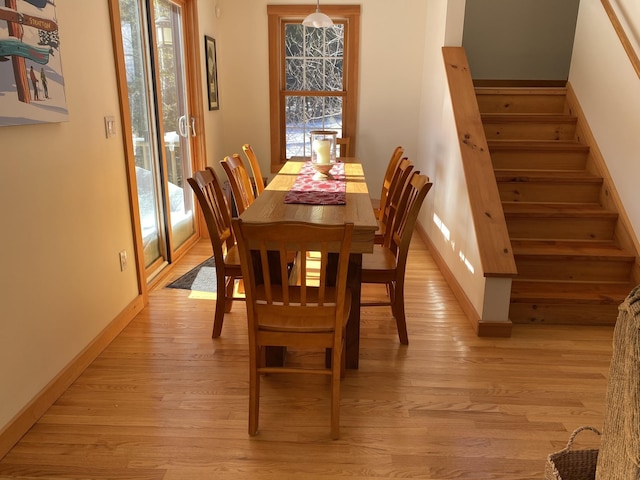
(562, 91)
(520, 100)
(541, 155)
(527, 118)
(565, 250)
(569, 292)
(537, 145)
(540, 209)
(564, 243)
(553, 176)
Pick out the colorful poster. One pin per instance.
(31, 81)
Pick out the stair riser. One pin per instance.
(575, 271)
(529, 131)
(549, 192)
(532, 160)
(561, 228)
(563, 314)
(504, 103)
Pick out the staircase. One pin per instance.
(571, 268)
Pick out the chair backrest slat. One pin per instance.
(388, 175)
(239, 180)
(255, 168)
(344, 144)
(400, 177)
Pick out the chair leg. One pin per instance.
(336, 368)
(397, 306)
(228, 293)
(254, 391)
(221, 306)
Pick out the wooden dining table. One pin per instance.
(270, 206)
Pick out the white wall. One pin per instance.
(391, 56)
(446, 215)
(209, 24)
(609, 92)
(628, 11)
(65, 216)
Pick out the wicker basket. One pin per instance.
(570, 464)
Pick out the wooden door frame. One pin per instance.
(198, 147)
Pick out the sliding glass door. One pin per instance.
(154, 44)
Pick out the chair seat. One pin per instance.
(379, 266)
(276, 317)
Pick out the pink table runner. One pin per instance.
(332, 191)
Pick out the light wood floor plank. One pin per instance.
(165, 401)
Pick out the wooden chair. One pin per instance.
(386, 181)
(345, 146)
(385, 216)
(217, 216)
(304, 315)
(387, 264)
(239, 180)
(255, 168)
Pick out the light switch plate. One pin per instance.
(110, 126)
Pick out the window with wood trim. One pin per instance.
(313, 77)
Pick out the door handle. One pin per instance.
(183, 127)
(193, 127)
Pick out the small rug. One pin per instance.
(201, 278)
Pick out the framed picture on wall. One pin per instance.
(212, 72)
(32, 88)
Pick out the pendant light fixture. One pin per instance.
(317, 19)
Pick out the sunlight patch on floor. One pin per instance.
(198, 295)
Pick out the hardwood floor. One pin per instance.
(165, 401)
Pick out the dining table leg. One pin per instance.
(352, 334)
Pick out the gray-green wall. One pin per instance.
(519, 39)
